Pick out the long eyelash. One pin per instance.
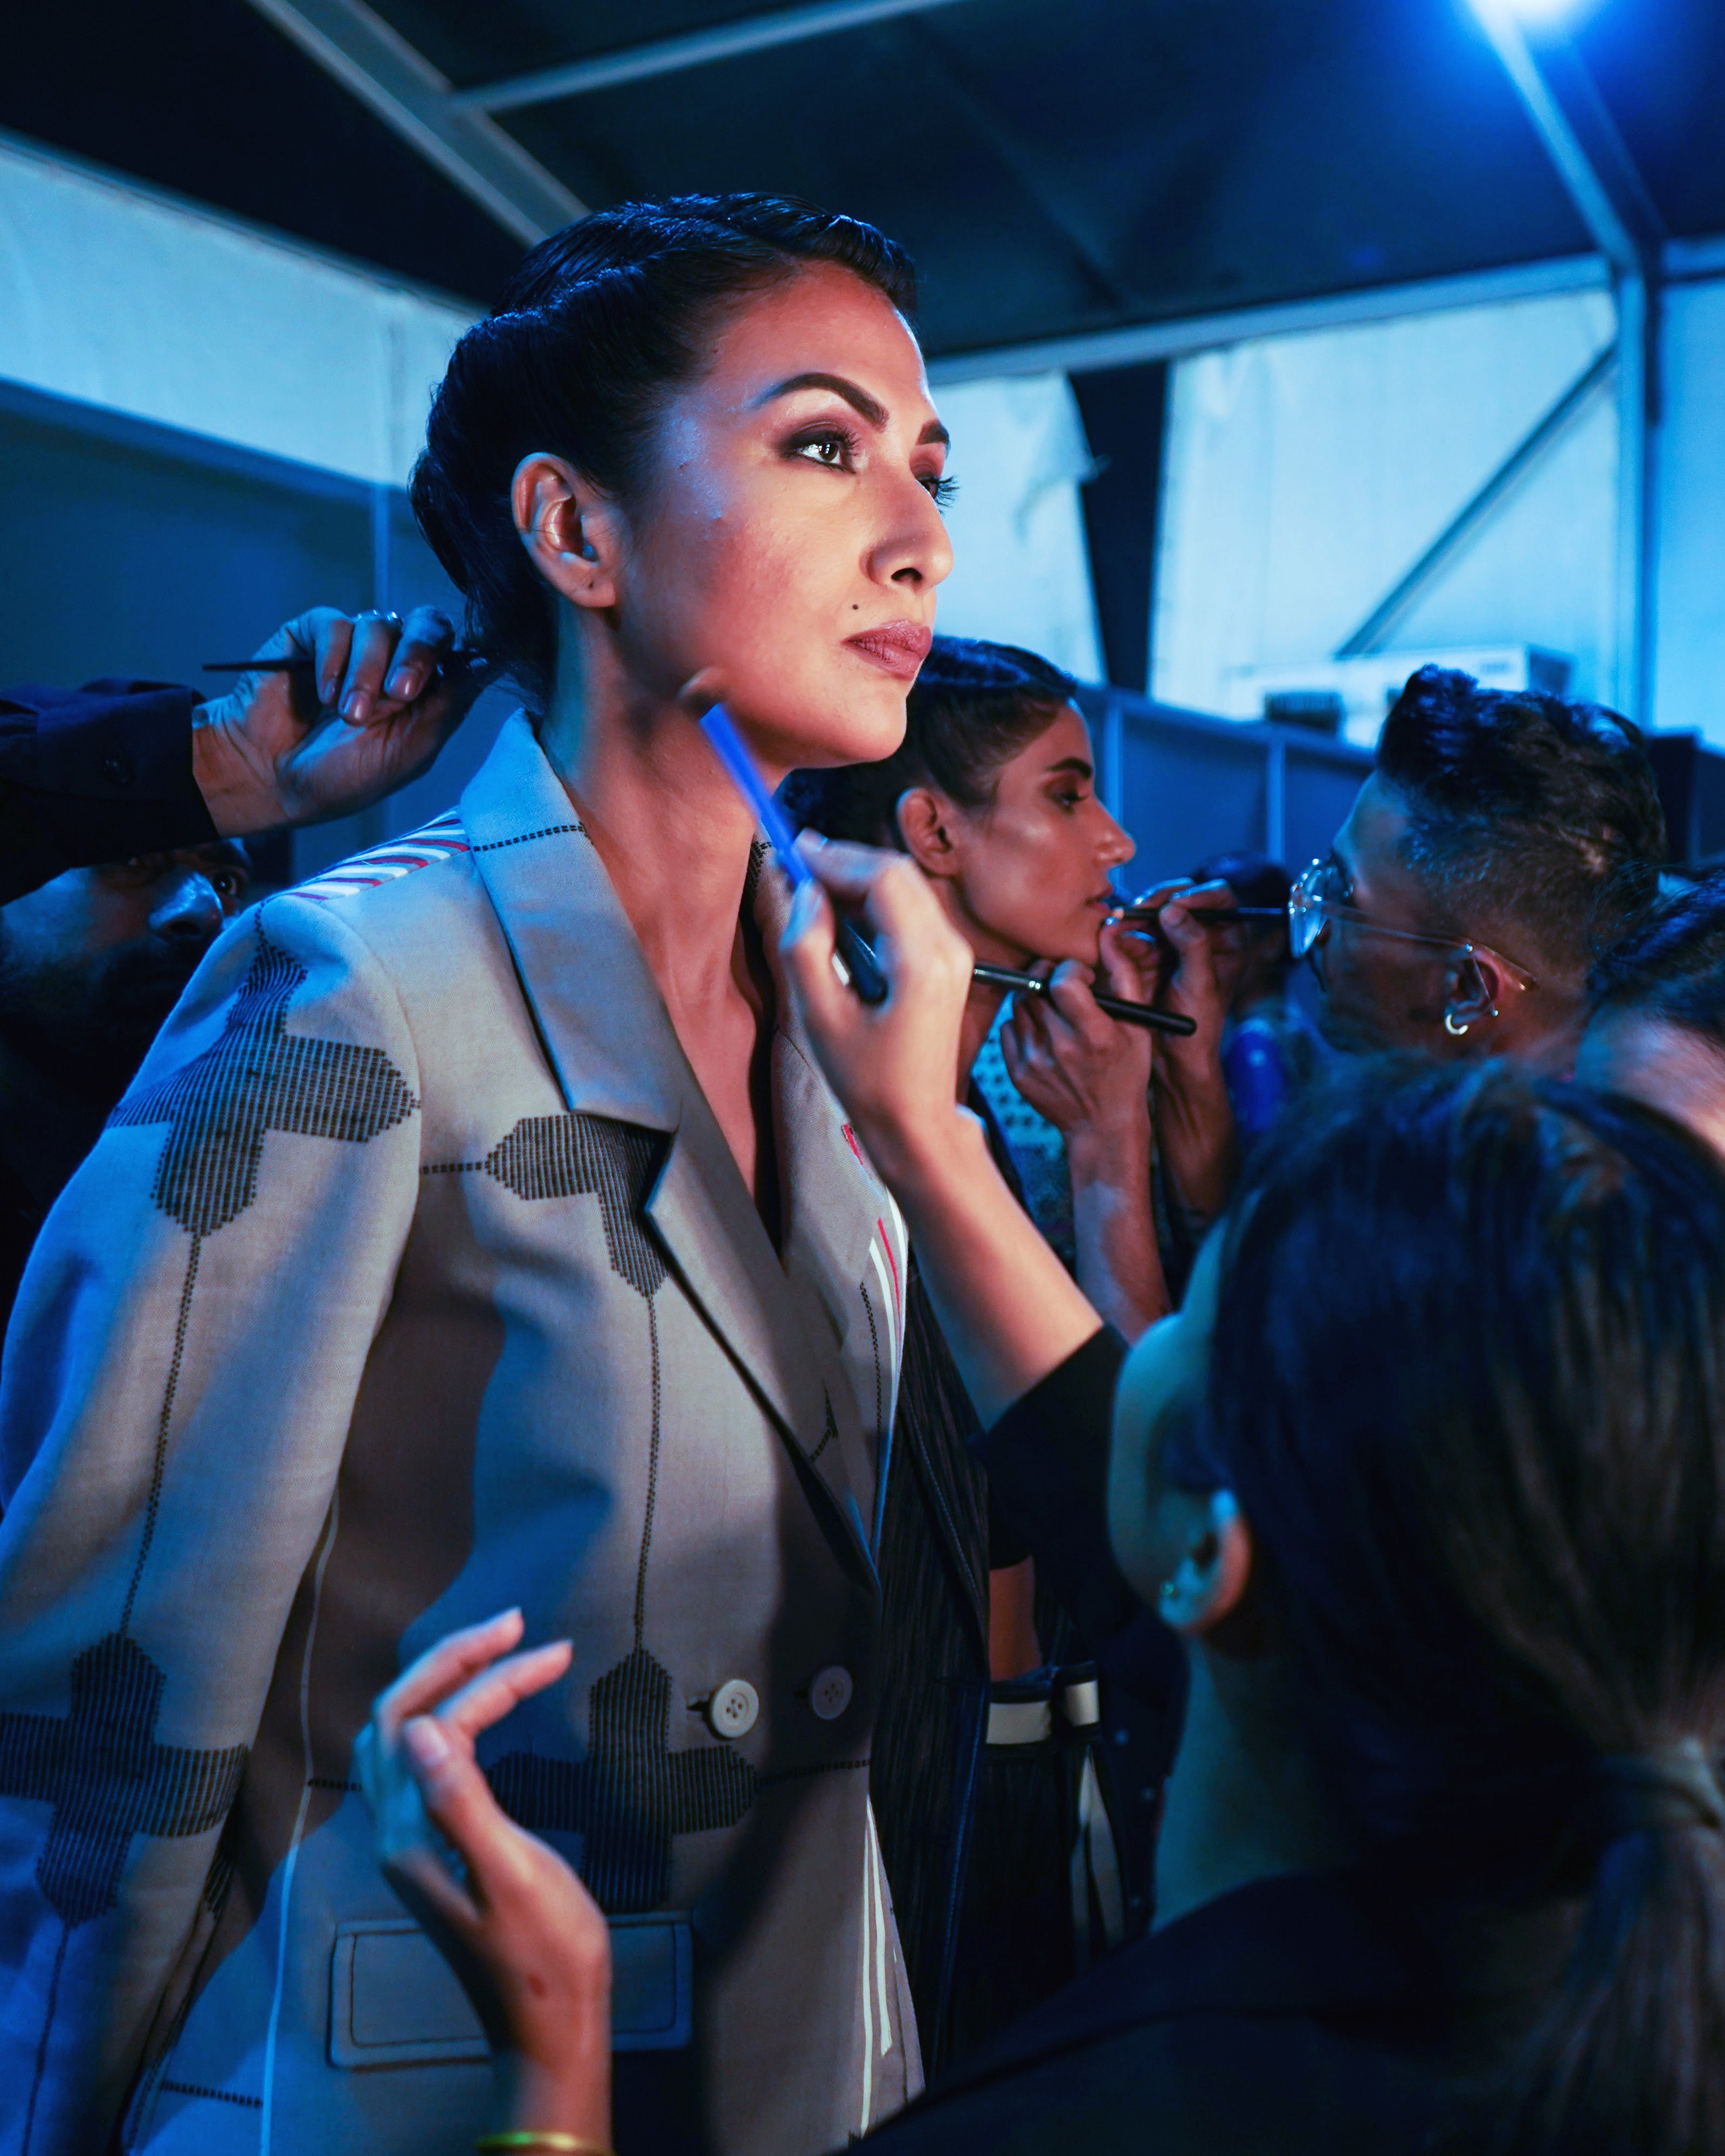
(941, 490)
(827, 433)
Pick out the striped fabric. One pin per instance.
(440, 840)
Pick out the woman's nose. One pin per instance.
(914, 552)
(1117, 847)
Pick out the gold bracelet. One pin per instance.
(541, 2138)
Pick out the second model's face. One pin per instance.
(1032, 869)
(789, 540)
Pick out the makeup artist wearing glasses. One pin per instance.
(1472, 883)
(480, 1232)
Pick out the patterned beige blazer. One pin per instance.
(413, 1279)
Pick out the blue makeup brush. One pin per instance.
(859, 962)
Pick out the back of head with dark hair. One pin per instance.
(1523, 809)
(1672, 965)
(973, 707)
(1468, 1385)
(1254, 878)
(598, 327)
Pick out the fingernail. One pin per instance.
(426, 1744)
(326, 691)
(399, 682)
(357, 705)
(805, 903)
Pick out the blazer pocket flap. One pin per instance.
(394, 2001)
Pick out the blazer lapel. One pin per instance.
(616, 1053)
(844, 1240)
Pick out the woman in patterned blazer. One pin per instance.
(480, 1232)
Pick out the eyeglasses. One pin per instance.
(1313, 905)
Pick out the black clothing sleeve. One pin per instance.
(1047, 1458)
(95, 774)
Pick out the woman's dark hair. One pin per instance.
(1522, 810)
(1468, 1386)
(600, 325)
(973, 707)
(1672, 967)
(1254, 878)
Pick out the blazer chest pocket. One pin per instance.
(394, 2001)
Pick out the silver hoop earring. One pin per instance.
(1450, 1026)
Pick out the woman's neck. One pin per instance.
(670, 829)
(983, 1007)
(1243, 1802)
(674, 836)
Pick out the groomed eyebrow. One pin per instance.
(857, 397)
(1076, 764)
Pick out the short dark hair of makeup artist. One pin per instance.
(1523, 809)
(1468, 1387)
(1673, 966)
(973, 707)
(599, 326)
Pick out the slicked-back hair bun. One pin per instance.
(598, 328)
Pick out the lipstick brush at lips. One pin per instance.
(858, 960)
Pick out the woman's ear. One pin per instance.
(570, 530)
(1209, 1580)
(923, 824)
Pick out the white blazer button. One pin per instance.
(734, 1708)
(829, 1694)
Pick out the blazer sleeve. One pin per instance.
(95, 774)
(1047, 1462)
(175, 1398)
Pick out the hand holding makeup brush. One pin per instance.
(302, 744)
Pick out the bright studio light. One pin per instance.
(1537, 14)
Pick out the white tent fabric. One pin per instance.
(152, 307)
(1021, 566)
(1689, 613)
(1304, 475)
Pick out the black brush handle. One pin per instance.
(1030, 984)
(861, 964)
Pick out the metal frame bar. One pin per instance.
(1139, 342)
(1635, 274)
(693, 48)
(381, 69)
(1369, 636)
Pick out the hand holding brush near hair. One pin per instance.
(332, 713)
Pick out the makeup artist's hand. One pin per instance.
(529, 1944)
(894, 1065)
(1195, 1122)
(1008, 1308)
(1090, 1076)
(287, 748)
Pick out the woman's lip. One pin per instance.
(899, 647)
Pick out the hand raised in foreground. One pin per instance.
(1087, 1073)
(528, 1942)
(301, 748)
(893, 1065)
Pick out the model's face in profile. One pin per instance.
(1028, 875)
(790, 539)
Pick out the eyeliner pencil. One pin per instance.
(1003, 976)
(302, 662)
(1206, 913)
